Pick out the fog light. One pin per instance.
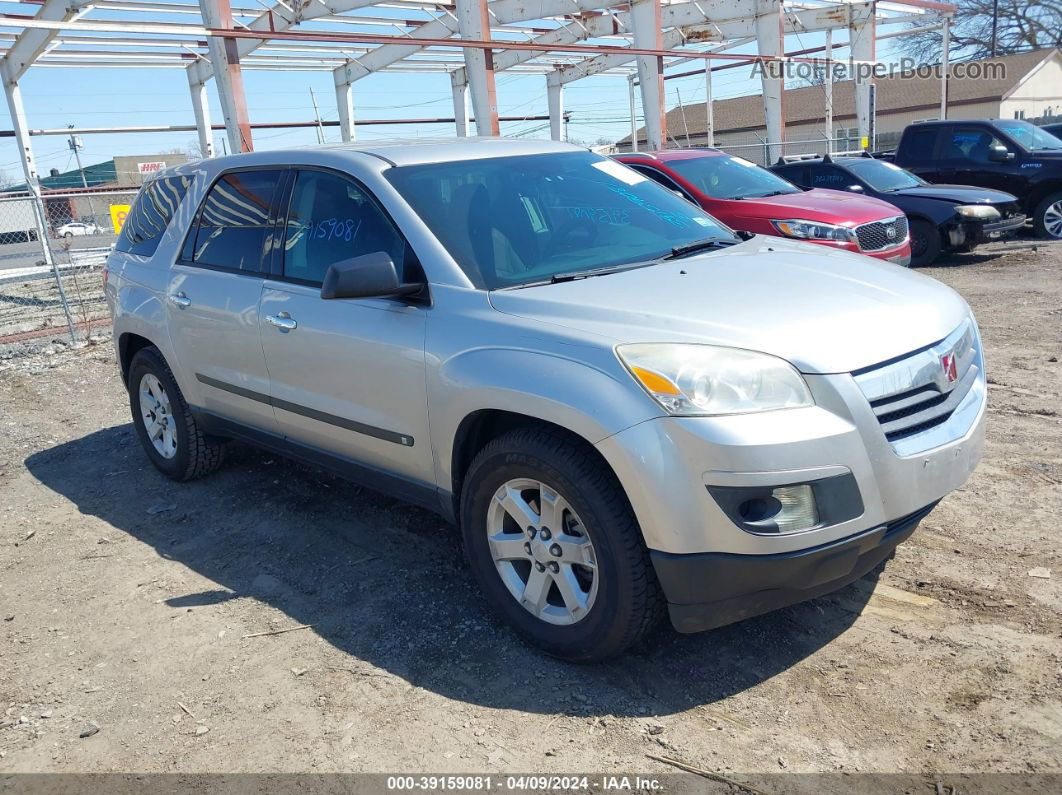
(788, 509)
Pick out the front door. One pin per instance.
(214, 294)
(347, 376)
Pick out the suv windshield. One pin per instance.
(1029, 136)
(509, 221)
(882, 176)
(727, 177)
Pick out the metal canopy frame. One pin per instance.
(472, 40)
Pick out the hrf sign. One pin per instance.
(151, 167)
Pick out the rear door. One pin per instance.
(347, 376)
(214, 293)
(918, 152)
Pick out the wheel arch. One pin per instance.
(129, 344)
(480, 428)
(1039, 192)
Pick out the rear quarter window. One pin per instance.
(918, 144)
(151, 213)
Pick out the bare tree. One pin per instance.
(1019, 26)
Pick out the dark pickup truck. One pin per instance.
(1004, 154)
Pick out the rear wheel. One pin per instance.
(1047, 220)
(168, 431)
(552, 540)
(925, 243)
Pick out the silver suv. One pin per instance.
(624, 406)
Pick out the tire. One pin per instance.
(624, 602)
(191, 454)
(1047, 218)
(925, 243)
(68, 234)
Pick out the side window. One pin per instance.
(331, 219)
(797, 174)
(918, 144)
(970, 143)
(660, 177)
(829, 177)
(235, 228)
(151, 214)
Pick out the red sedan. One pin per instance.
(753, 199)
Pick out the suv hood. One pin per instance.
(828, 206)
(823, 311)
(961, 194)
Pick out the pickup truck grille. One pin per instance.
(882, 234)
(917, 393)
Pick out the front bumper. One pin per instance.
(671, 467)
(713, 589)
(900, 255)
(972, 233)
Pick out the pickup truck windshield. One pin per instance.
(509, 221)
(883, 177)
(1029, 136)
(726, 177)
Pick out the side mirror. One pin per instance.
(368, 276)
(1000, 154)
(855, 188)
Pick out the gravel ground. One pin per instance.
(131, 611)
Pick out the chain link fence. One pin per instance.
(52, 251)
(758, 150)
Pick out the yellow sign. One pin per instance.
(864, 143)
(118, 214)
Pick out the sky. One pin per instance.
(94, 97)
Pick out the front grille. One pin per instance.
(913, 395)
(882, 234)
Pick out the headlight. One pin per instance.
(812, 230)
(689, 379)
(982, 211)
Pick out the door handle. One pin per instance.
(180, 300)
(282, 321)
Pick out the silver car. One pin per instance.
(624, 406)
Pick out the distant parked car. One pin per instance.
(1054, 129)
(752, 199)
(942, 218)
(1002, 154)
(78, 228)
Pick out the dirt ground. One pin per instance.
(131, 610)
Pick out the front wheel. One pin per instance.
(1047, 220)
(925, 243)
(552, 540)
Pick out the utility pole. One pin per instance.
(76, 145)
(995, 26)
(317, 115)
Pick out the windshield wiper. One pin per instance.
(572, 276)
(699, 245)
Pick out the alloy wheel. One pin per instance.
(542, 551)
(157, 416)
(1053, 219)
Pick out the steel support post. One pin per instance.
(225, 60)
(29, 169)
(862, 32)
(555, 99)
(459, 87)
(769, 39)
(201, 108)
(474, 23)
(634, 114)
(345, 105)
(709, 111)
(648, 34)
(829, 91)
